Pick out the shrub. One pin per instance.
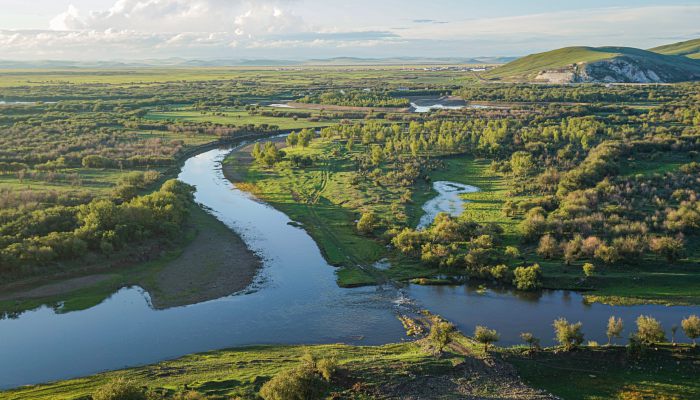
(691, 327)
(548, 247)
(588, 269)
(440, 334)
(119, 389)
(531, 340)
(300, 383)
(367, 223)
(568, 335)
(527, 278)
(615, 327)
(649, 330)
(485, 336)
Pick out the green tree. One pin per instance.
(531, 340)
(614, 330)
(691, 327)
(649, 330)
(568, 335)
(485, 336)
(367, 222)
(521, 163)
(440, 334)
(527, 278)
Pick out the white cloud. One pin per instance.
(272, 28)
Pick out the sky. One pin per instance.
(92, 30)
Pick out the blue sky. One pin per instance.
(299, 29)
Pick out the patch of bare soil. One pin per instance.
(476, 378)
(216, 264)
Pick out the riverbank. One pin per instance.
(411, 371)
(207, 262)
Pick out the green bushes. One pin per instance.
(119, 389)
(527, 278)
(65, 233)
(307, 381)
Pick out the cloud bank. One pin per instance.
(133, 29)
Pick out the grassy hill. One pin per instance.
(689, 48)
(599, 64)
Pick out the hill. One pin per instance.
(599, 64)
(689, 48)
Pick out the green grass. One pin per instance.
(241, 372)
(608, 373)
(528, 67)
(689, 48)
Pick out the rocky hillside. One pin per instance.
(601, 65)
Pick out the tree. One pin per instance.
(607, 254)
(376, 155)
(568, 335)
(615, 327)
(588, 269)
(527, 278)
(440, 334)
(367, 222)
(691, 327)
(669, 247)
(548, 247)
(521, 163)
(649, 330)
(512, 252)
(485, 336)
(531, 340)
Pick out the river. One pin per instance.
(295, 300)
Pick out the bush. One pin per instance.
(691, 327)
(588, 269)
(527, 278)
(440, 334)
(306, 381)
(367, 223)
(531, 340)
(300, 383)
(119, 389)
(649, 330)
(568, 335)
(548, 247)
(485, 336)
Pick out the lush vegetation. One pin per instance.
(583, 198)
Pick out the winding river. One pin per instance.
(295, 300)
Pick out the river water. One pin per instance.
(295, 300)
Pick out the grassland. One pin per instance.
(410, 369)
(690, 49)
(664, 372)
